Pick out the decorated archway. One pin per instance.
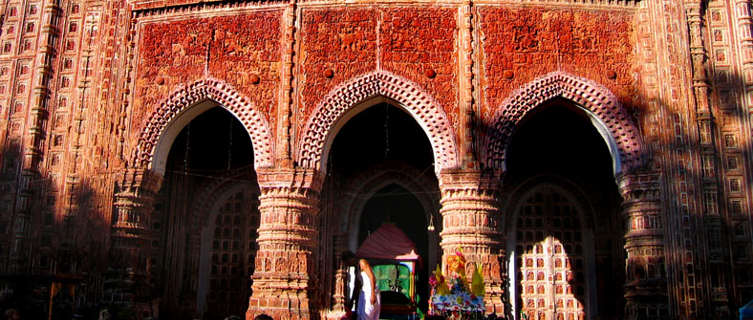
(352, 97)
(559, 261)
(207, 212)
(601, 106)
(185, 104)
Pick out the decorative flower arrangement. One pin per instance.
(455, 297)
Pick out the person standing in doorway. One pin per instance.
(353, 284)
(368, 299)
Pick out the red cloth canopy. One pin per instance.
(388, 242)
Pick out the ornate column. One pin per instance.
(132, 236)
(283, 278)
(341, 273)
(645, 278)
(471, 220)
(133, 204)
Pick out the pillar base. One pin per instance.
(280, 305)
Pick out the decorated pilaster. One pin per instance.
(283, 278)
(716, 260)
(645, 279)
(32, 144)
(471, 222)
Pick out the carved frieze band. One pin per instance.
(206, 89)
(420, 105)
(593, 97)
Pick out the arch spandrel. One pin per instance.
(152, 148)
(604, 110)
(324, 122)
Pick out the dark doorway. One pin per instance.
(379, 134)
(212, 150)
(384, 137)
(558, 142)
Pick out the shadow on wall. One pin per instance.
(63, 253)
(703, 179)
(559, 185)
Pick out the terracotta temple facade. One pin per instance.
(181, 159)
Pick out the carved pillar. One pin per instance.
(283, 278)
(132, 236)
(645, 279)
(471, 221)
(133, 204)
(341, 273)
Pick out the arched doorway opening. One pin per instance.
(560, 182)
(397, 205)
(206, 219)
(381, 170)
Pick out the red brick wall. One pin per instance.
(414, 41)
(404, 41)
(174, 53)
(343, 41)
(528, 42)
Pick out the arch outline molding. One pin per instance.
(186, 97)
(626, 144)
(429, 115)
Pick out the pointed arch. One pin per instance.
(207, 197)
(344, 101)
(186, 103)
(602, 107)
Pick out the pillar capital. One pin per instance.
(133, 201)
(139, 180)
(639, 185)
(452, 180)
(303, 179)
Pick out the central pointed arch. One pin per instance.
(357, 94)
(601, 106)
